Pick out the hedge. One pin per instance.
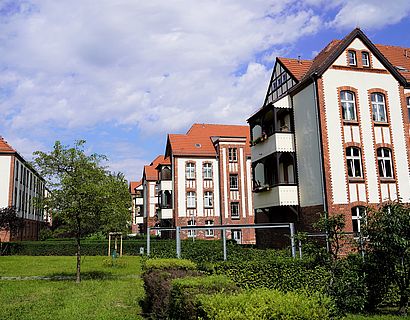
(265, 304)
(185, 291)
(157, 278)
(285, 274)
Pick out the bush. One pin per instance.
(184, 292)
(285, 274)
(166, 264)
(265, 304)
(157, 283)
(114, 263)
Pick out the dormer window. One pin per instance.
(365, 59)
(352, 58)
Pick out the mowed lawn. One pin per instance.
(105, 292)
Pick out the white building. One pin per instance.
(333, 133)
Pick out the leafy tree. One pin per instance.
(10, 222)
(388, 230)
(85, 196)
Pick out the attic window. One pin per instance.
(352, 58)
(198, 145)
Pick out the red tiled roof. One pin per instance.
(398, 57)
(197, 141)
(297, 67)
(134, 184)
(150, 171)
(5, 147)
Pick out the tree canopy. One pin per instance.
(83, 193)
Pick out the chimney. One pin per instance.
(299, 61)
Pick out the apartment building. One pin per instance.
(137, 194)
(205, 179)
(20, 186)
(333, 134)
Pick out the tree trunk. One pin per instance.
(404, 303)
(78, 278)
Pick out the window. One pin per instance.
(358, 213)
(233, 181)
(347, 99)
(384, 162)
(208, 199)
(365, 59)
(354, 162)
(190, 170)
(209, 232)
(235, 210)
(408, 107)
(191, 233)
(232, 152)
(378, 107)
(237, 236)
(352, 58)
(190, 199)
(207, 171)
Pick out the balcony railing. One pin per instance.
(277, 196)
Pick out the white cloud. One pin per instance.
(370, 14)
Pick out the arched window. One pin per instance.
(347, 99)
(384, 162)
(354, 162)
(379, 107)
(358, 214)
(190, 170)
(208, 199)
(191, 199)
(207, 171)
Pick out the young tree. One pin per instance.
(388, 230)
(83, 193)
(10, 222)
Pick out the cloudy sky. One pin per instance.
(121, 74)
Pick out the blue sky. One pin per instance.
(124, 73)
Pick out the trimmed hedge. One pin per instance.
(265, 304)
(285, 274)
(184, 293)
(157, 278)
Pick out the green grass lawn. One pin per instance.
(104, 293)
(375, 317)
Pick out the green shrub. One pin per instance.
(265, 304)
(157, 276)
(166, 264)
(285, 274)
(184, 292)
(114, 263)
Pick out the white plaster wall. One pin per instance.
(332, 79)
(180, 162)
(406, 91)
(249, 184)
(153, 199)
(242, 173)
(307, 148)
(5, 162)
(225, 188)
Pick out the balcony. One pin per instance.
(276, 196)
(165, 214)
(139, 220)
(139, 201)
(278, 142)
(164, 185)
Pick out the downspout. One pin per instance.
(320, 145)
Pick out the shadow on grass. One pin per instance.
(89, 275)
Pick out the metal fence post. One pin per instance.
(178, 239)
(224, 242)
(292, 238)
(300, 249)
(148, 241)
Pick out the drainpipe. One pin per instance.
(320, 145)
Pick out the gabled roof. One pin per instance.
(399, 57)
(134, 185)
(296, 67)
(5, 147)
(198, 140)
(150, 172)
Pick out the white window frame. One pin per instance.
(358, 213)
(352, 57)
(209, 232)
(348, 101)
(232, 185)
(354, 161)
(190, 200)
(208, 199)
(377, 106)
(235, 215)
(190, 170)
(207, 168)
(384, 161)
(408, 107)
(365, 59)
(236, 235)
(233, 154)
(191, 233)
